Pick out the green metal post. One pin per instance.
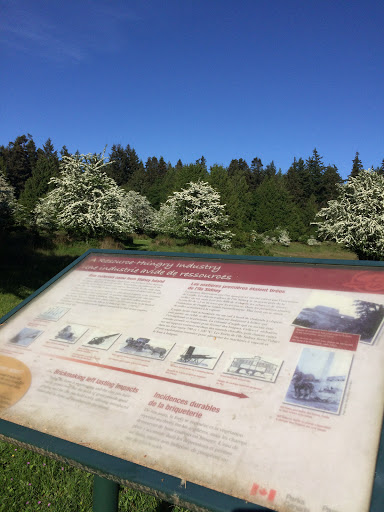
(105, 495)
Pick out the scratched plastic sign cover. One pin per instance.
(262, 382)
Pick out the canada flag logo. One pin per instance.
(262, 491)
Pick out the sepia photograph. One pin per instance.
(25, 337)
(203, 357)
(102, 339)
(54, 313)
(147, 347)
(319, 380)
(71, 333)
(255, 367)
(340, 313)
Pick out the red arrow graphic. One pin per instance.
(150, 376)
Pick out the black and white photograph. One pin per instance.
(147, 347)
(319, 379)
(54, 313)
(102, 339)
(255, 367)
(203, 357)
(340, 313)
(70, 333)
(25, 337)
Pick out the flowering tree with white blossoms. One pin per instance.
(8, 204)
(85, 201)
(141, 211)
(356, 217)
(195, 213)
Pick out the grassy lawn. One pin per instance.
(31, 482)
(26, 264)
(28, 481)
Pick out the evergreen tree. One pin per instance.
(137, 181)
(64, 151)
(118, 170)
(270, 170)
(380, 170)
(155, 172)
(357, 166)
(49, 150)
(315, 169)
(256, 174)
(308, 215)
(124, 163)
(190, 173)
(202, 162)
(37, 185)
(297, 182)
(151, 171)
(234, 192)
(20, 158)
(238, 165)
(331, 180)
(274, 207)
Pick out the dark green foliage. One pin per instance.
(190, 173)
(380, 170)
(274, 207)
(331, 180)
(298, 183)
(234, 193)
(303, 190)
(202, 162)
(155, 172)
(270, 170)
(19, 157)
(357, 166)
(38, 184)
(238, 165)
(137, 181)
(124, 163)
(46, 167)
(315, 170)
(256, 174)
(64, 151)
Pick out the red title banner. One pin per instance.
(305, 276)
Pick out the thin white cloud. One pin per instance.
(64, 32)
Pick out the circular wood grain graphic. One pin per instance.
(15, 379)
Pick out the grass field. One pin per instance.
(31, 482)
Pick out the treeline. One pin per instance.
(258, 197)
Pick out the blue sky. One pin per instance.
(181, 79)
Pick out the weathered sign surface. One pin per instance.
(261, 381)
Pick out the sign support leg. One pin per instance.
(105, 495)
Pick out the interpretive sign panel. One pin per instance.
(258, 379)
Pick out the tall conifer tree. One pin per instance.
(357, 166)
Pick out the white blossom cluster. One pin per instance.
(85, 201)
(356, 217)
(278, 236)
(8, 204)
(141, 211)
(195, 213)
(313, 241)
